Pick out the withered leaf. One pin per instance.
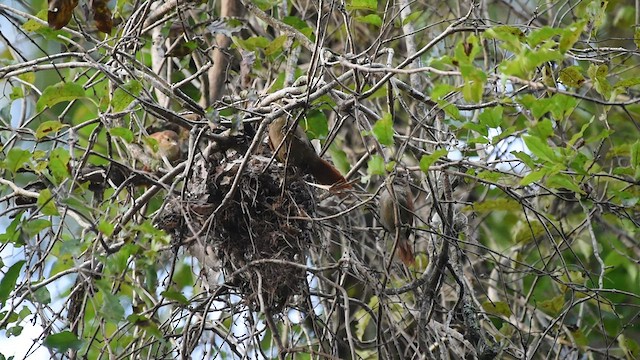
(60, 12)
(102, 16)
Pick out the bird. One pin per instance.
(298, 151)
(168, 145)
(397, 216)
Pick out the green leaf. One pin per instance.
(538, 107)
(363, 318)
(264, 5)
(59, 164)
(111, 308)
(525, 158)
(491, 205)
(372, 19)
(497, 308)
(16, 159)
(492, 176)
(106, 228)
(491, 117)
(532, 177)
(296, 22)
(596, 13)
(506, 133)
(362, 5)
(466, 52)
(42, 296)
(575, 277)
(11, 234)
(33, 227)
(315, 124)
(571, 35)
(510, 35)
(383, 130)
(175, 296)
(629, 346)
(183, 276)
(252, 43)
(530, 231)
(598, 74)
(375, 165)
(543, 129)
(62, 341)
(29, 77)
(439, 94)
(553, 306)
(58, 93)
(146, 324)
(571, 76)
(14, 331)
(8, 282)
(441, 90)
(530, 59)
(636, 37)
(539, 148)
(538, 36)
(562, 105)
(46, 204)
(604, 305)
(581, 163)
(125, 94)
(33, 25)
(48, 127)
(541, 56)
(390, 166)
(561, 181)
(427, 160)
(482, 130)
(16, 93)
(119, 261)
(580, 134)
(450, 109)
(276, 45)
(474, 82)
(412, 17)
(124, 133)
(627, 83)
(635, 158)
(340, 159)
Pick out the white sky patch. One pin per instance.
(22, 346)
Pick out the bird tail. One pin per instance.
(405, 253)
(325, 173)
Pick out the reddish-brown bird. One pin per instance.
(397, 215)
(298, 151)
(168, 145)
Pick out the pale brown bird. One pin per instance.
(397, 216)
(298, 151)
(168, 145)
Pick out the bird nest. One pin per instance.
(261, 234)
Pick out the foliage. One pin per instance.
(518, 126)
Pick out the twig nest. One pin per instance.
(261, 234)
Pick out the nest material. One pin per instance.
(257, 233)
